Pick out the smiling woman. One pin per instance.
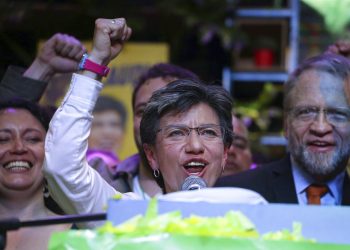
(23, 128)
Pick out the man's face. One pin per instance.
(194, 155)
(319, 141)
(239, 156)
(107, 131)
(141, 99)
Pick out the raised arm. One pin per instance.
(75, 186)
(60, 54)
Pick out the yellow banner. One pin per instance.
(135, 59)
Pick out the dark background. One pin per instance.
(177, 22)
(180, 23)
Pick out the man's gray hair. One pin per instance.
(336, 65)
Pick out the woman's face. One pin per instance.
(178, 156)
(22, 140)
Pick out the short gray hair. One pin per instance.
(336, 65)
(178, 97)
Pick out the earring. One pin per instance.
(222, 169)
(156, 173)
(46, 190)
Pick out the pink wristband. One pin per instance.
(86, 64)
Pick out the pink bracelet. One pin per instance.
(86, 64)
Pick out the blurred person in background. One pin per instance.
(108, 126)
(239, 155)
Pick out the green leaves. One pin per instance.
(233, 224)
(335, 13)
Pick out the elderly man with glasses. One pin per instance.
(317, 127)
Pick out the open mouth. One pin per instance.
(194, 168)
(18, 166)
(320, 146)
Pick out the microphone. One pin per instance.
(193, 182)
(15, 223)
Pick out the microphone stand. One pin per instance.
(14, 223)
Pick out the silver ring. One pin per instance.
(113, 21)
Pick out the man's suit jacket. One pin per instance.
(274, 181)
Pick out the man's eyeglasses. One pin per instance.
(179, 133)
(336, 116)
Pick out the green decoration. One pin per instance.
(170, 231)
(336, 14)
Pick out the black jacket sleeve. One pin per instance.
(14, 84)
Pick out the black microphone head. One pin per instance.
(193, 182)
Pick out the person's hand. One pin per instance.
(109, 38)
(60, 54)
(341, 47)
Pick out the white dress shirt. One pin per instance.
(75, 186)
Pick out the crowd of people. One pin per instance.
(54, 161)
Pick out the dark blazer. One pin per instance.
(274, 181)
